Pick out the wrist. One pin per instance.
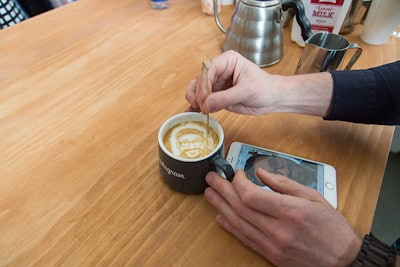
(307, 94)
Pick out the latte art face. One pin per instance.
(190, 140)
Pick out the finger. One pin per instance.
(204, 83)
(228, 199)
(223, 69)
(245, 228)
(190, 96)
(220, 74)
(284, 185)
(191, 109)
(233, 99)
(232, 201)
(225, 223)
(269, 203)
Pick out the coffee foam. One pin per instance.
(190, 140)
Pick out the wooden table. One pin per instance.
(83, 91)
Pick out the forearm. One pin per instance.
(307, 94)
(367, 96)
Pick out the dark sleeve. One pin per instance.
(367, 96)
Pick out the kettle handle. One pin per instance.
(301, 18)
(216, 17)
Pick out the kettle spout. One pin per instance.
(216, 17)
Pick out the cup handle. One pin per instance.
(355, 56)
(223, 167)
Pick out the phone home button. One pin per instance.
(329, 186)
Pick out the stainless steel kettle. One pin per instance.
(256, 29)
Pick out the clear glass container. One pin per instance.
(159, 4)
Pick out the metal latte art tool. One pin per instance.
(206, 65)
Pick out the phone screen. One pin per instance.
(308, 173)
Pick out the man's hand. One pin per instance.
(292, 226)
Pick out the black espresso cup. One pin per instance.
(187, 175)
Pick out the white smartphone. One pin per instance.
(317, 175)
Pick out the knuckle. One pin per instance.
(247, 197)
(284, 243)
(314, 194)
(239, 207)
(231, 52)
(238, 226)
(298, 217)
(188, 96)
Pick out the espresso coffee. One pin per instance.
(190, 140)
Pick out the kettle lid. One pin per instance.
(262, 3)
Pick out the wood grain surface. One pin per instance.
(83, 91)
